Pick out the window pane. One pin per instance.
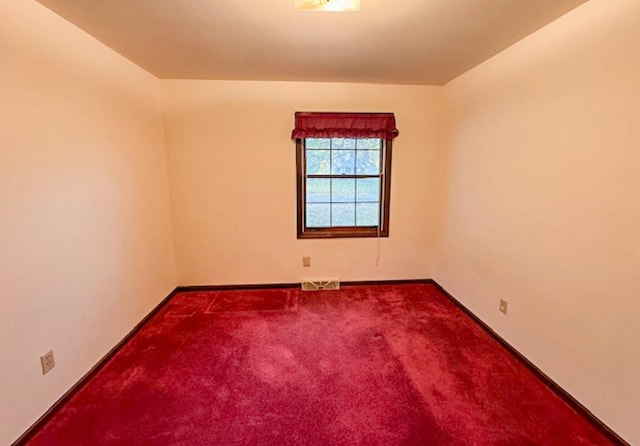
(318, 215)
(318, 190)
(343, 162)
(368, 189)
(343, 144)
(341, 187)
(343, 190)
(369, 144)
(367, 214)
(317, 143)
(318, 162)
(343, 214)
(368, 162)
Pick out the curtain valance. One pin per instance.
(344, 125)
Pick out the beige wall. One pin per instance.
(539, 169)
(542, 207)
(232, 169)
(85, 235)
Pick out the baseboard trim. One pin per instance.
(555, 387)
(387, 282)
(262, 286)
(55, 408)
(259, 286)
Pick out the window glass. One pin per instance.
(343, 187)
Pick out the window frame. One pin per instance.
(381, 230)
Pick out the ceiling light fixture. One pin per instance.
(327, 5)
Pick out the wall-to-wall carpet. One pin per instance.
(366, 365)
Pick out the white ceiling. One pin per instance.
(388, 41)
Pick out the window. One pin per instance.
(343, 174)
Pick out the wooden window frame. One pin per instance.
(382, 230)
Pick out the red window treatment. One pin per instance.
(344, 125)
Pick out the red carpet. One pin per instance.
(368, 365)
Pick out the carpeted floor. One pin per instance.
(367, 365)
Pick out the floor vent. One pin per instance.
(316, 285)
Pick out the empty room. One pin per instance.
(320, 222)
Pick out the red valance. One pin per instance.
(344, 125)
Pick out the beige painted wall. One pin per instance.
(232, 170)
(539, 167)
(542, 207)
(85, 233)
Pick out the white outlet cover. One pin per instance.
(47, 361)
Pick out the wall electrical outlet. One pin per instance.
(47, 362)
(503, 306)
(306, 262)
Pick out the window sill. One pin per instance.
(343, 232)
